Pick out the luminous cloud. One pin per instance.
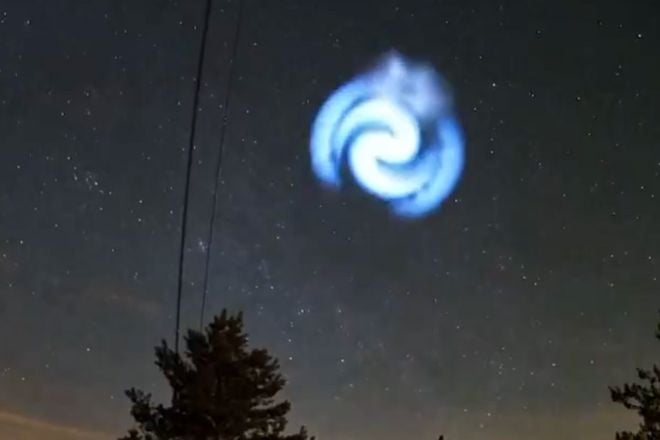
(392, 132)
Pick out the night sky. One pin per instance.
(504, 315)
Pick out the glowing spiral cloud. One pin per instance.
(393, 131)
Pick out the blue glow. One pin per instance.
(393, 129)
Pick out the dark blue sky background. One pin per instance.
(505, 315)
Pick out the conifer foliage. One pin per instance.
(221, 390)
(644, 398)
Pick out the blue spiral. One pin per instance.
(393, 129)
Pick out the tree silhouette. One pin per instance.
(643, 398)
(221, 390)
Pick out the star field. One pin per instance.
(505, 315)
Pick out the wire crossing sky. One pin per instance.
(394, 130)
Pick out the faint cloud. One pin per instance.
(22, 427)
(123, 299)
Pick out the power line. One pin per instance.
(218, 168)
(186, 194)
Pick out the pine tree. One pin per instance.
(221, 390)
(643, 398)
